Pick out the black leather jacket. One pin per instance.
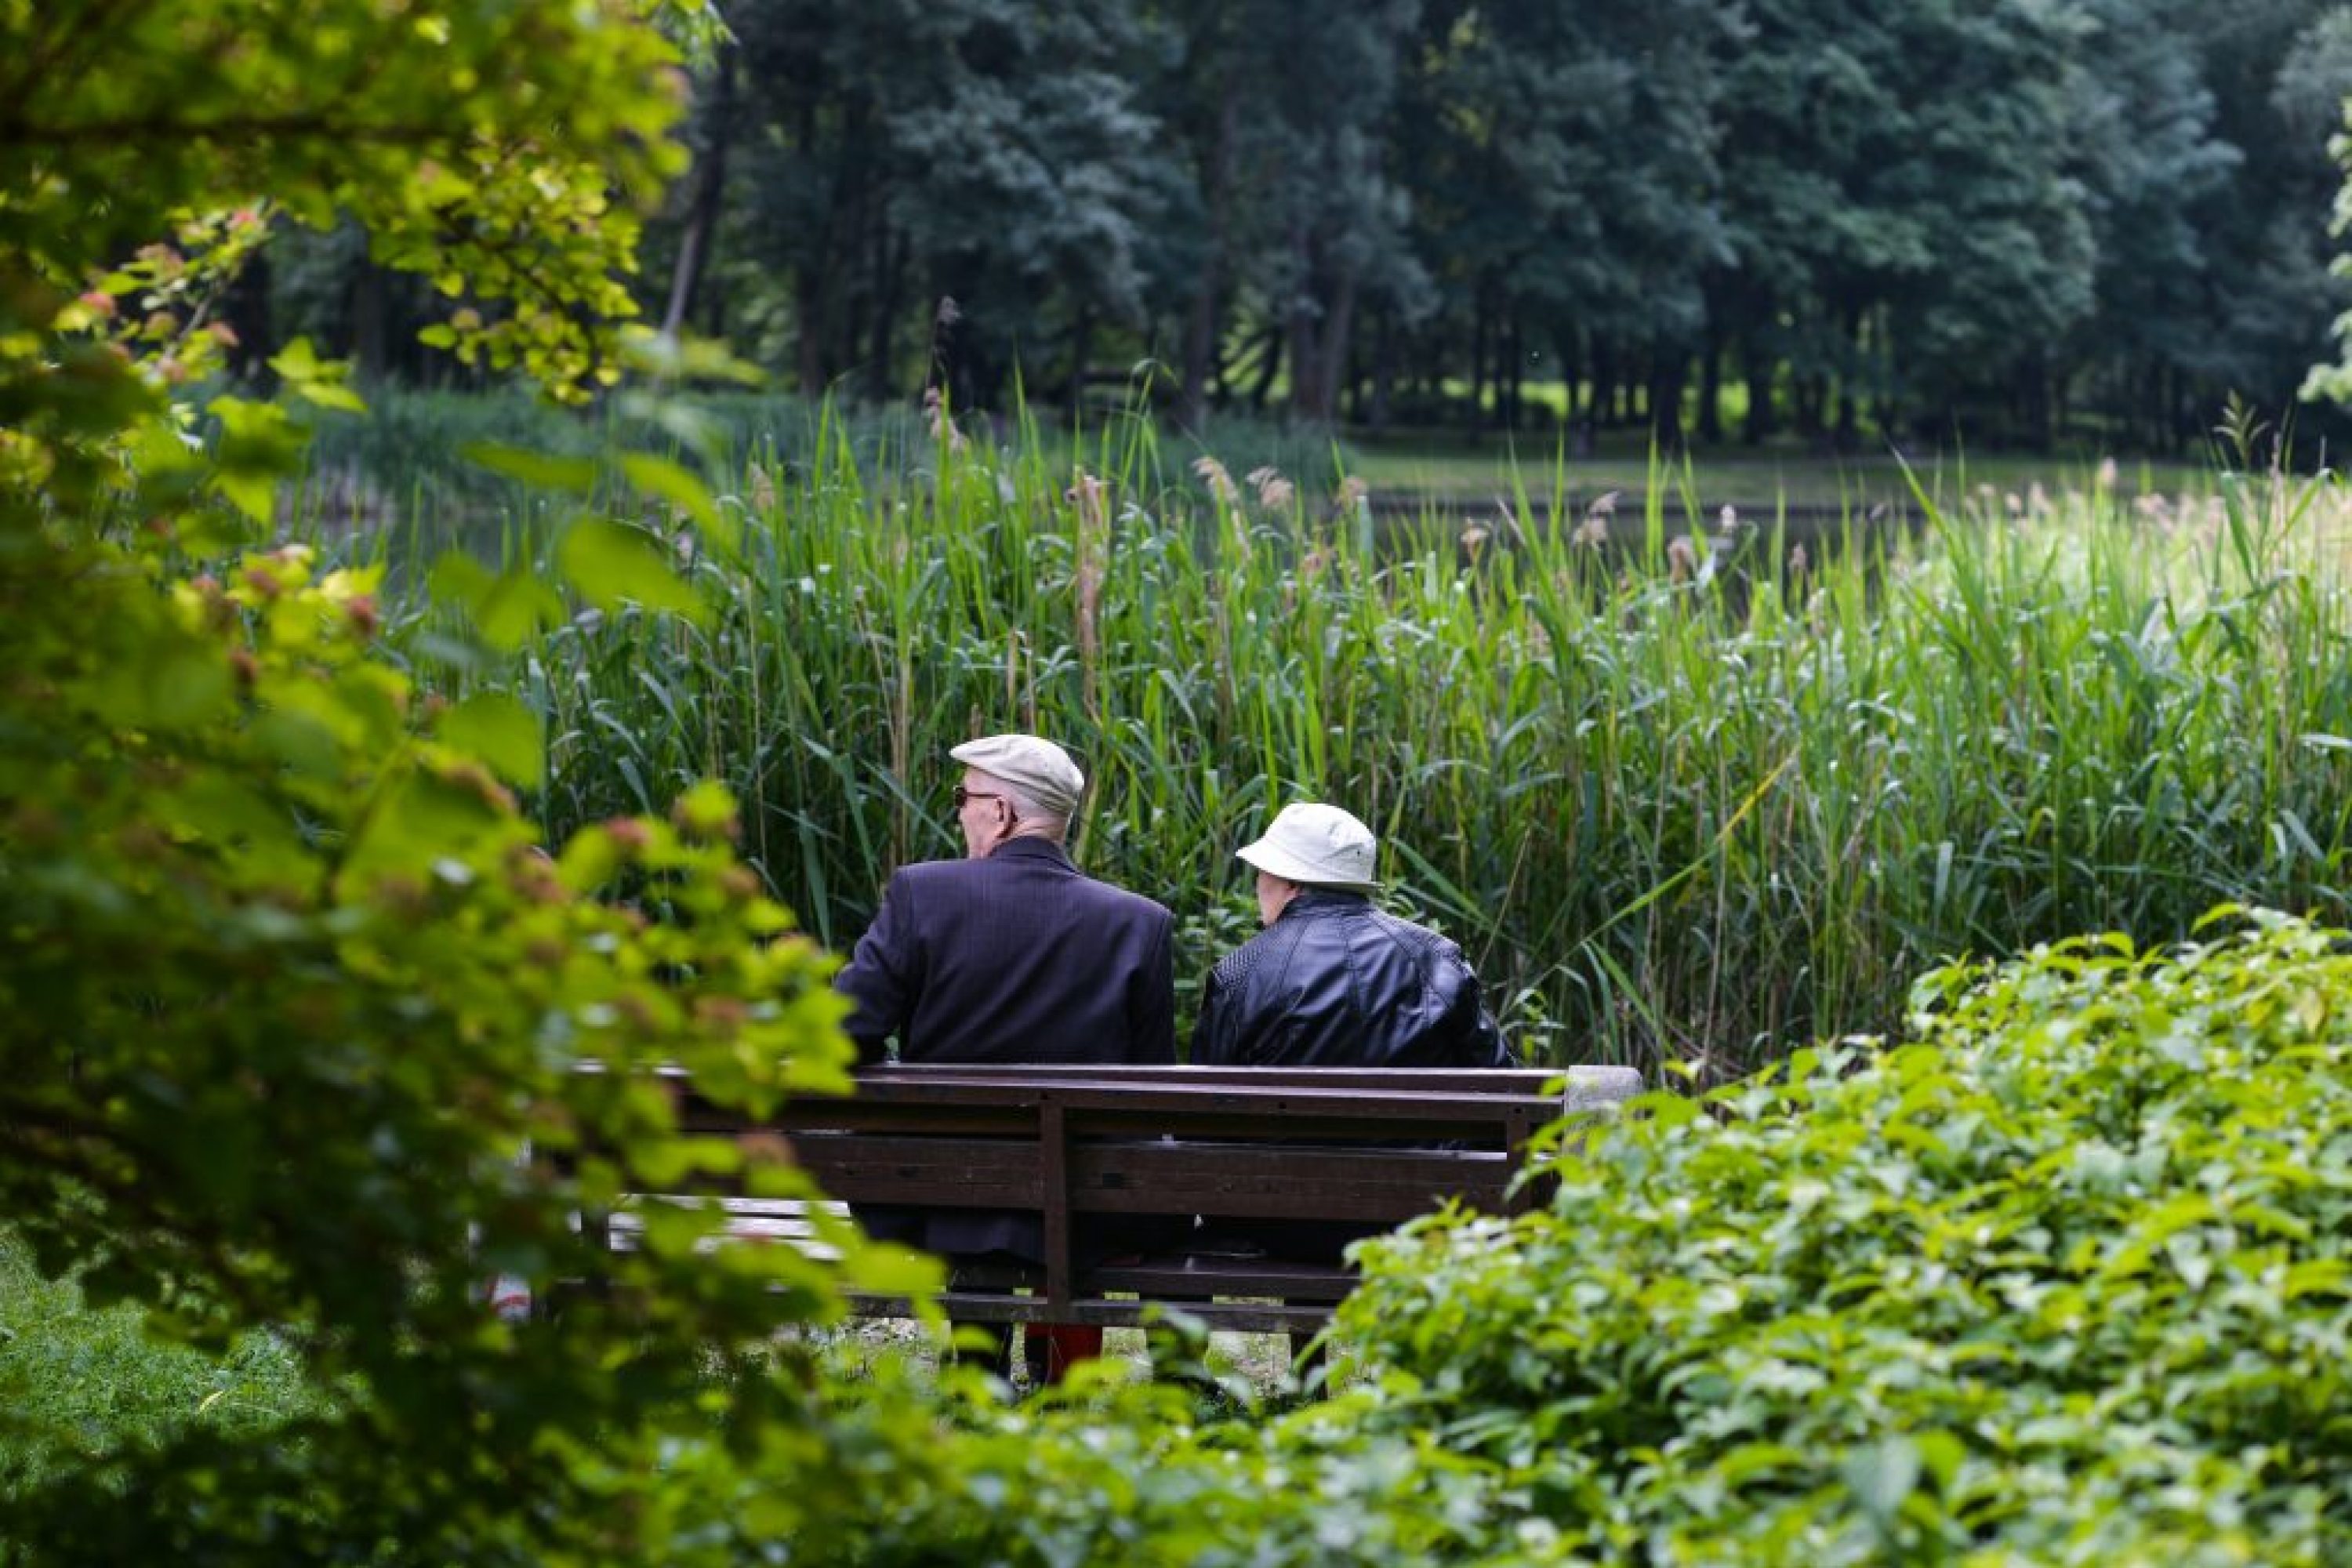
(1335, 983)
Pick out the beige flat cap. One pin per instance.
(1037, 768)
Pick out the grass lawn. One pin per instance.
(78, 1381)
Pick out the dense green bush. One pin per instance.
(79, 1380)
(2066, 1279)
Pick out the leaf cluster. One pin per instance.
(291, 991)
(2064, 1279)
(305, 1030)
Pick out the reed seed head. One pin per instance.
(1213, 473)
(1273, 491)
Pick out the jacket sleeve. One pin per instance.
(1488, 1047)
(1153, 1040)
(1480, 1042)
(879, 979)
(1213, 1032)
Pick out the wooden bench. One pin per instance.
(1374, 1147)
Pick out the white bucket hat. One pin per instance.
(1317, 846)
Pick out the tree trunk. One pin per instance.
(370, 331)
(808, 316)
(1666, 382)
(1383, 370)
(2033, 385)
(821, 341)
(857, 297)
(1759, 374)
(1885, 407)
(701, 232)
(1303, 360)
(246, 308)
(1512, 363)
(891, 280)
(1810, 394)
(1710, 389)
(1479, 330)
(1203, 315)
(1338, 322)
(1082, 340)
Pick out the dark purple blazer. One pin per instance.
(1015, 958)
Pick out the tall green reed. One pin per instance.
(1685, 801)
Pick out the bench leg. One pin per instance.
(996, 1356)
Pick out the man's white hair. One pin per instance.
(1056, 825)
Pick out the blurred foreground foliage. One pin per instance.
(288, 984)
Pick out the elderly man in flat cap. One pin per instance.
(1333, 982)
(1009, 954)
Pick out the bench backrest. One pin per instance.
(1376, 1145)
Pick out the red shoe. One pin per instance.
(1059, 1347)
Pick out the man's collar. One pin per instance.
(1031, 847)
(1325, 898)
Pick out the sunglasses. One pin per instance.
(963, 795)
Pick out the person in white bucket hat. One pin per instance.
(1333, 982)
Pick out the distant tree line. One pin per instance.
(2009, 220)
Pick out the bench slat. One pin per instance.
(1241, 1181)
(1154, 1177)
(1095, 1094)
(942, 1173)
(1182, 1276)
(1098, 1312)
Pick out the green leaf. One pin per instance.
(506, 610)
(540, 470)
(502, 733)
(612, 564)
(420, 820)
(894, 1271)
(457, 578)
(661, 477)
(259, 445)
(299, 741)
(168, 682)
(1881, 1474)
(316, 381)
(706, 810)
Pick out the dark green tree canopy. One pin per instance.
(2097, 213)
